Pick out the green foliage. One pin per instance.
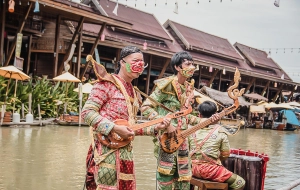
(44, 92)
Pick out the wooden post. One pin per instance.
(148, 75)
(77, 70)
(265, 88)
(164, 68)
(40, 116)
(213, 77)
(93, 49)
(277, 93)
(292, 93)
(268, 92)
(57, 31)
(29, 54)
(70, 45)
(162, 71)
(118, 55)
(199, 77)
(21, 26)
(2, 30)
(250, 84)
(220, 80)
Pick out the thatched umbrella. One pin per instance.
(66, 77)
(222, 97)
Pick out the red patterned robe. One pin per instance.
(105, 104)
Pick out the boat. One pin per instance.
(69, 120)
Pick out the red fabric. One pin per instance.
(90, 164)
(126, 166)
(113, 106)
(211, 172)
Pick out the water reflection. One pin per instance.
(53, 157)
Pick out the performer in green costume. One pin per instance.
(174, 92)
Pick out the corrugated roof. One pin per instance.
(259, 58)
(142, 22)
(194, 38)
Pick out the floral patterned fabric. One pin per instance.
(105, 104)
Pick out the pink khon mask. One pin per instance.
(135, 67)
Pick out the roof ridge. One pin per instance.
(198, 30)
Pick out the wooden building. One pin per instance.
(49, 34)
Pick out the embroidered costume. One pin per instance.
(174, 170)
(110, 169)
(207, 146)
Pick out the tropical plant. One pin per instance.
(48, 95)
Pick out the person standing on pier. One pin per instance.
(175, 93)
(113, 97)
(210, 146)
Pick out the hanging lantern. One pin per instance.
(11, 7)
(296, 87)
(224, 71)
(102, 37)
(276, 3)
(210, 69)
(37, 7)
(282, 76)
(275, 84)
(176, 7)
(145, 45)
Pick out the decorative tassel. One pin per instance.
(145, 45)
(11, 7)
(176, 7)
(115, 11)
(276, 3)
(224, 71)
(37, 7)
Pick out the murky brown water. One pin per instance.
(53, 157)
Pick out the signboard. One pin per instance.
(19, 44)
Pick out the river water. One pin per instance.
(53, 157)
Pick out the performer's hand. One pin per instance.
(165, 123)
(216, 117)
(171, 130)
(123, 131)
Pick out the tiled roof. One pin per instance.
(196, 39)
(259, 59)
(142, 22)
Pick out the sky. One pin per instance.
(255, 23)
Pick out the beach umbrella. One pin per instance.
(66, 77)
(86, 88)
(10, 72)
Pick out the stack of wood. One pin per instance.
(7, 117)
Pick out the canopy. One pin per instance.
(262, 103)
(13, 72)
(86, 88)
(66, 77)
(278, 106)
(257, 109)
(294, 104)
(222, 97)
(200, 98)
(255, 96)
(291, 117)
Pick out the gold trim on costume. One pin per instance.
(123, 176)
(106, 165)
